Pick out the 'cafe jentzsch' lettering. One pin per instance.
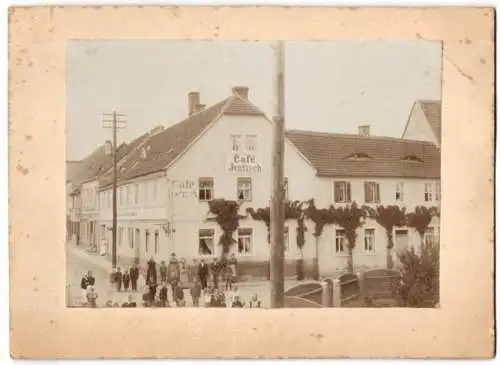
(244, 164)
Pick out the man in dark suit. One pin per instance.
(203, 274)
(134, 276)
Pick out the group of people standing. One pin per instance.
(210, 284)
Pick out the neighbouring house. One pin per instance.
(370, 171)
(424, 122)
(92, 231)
(224, 152)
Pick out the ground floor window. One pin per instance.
(157, 242)
(146, 241)
(286, 239)
(206, 241)
(120, 236)
(138, 238)
(369, 241)
(244, 241)
(431, 235)
(131, 237)
(340, 241)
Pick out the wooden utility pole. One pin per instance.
(277, 201)
(114, 123)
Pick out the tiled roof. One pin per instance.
(162, 148)
(332, 155)
(432, 111)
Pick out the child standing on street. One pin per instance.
(163, 295)
(91, 297)
(118, 279)
(196, 292)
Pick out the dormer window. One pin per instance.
(357, 156)
(143, 153)
(412, 158)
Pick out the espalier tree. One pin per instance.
(226, 215)
(388, 217)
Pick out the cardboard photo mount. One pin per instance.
(41, 326)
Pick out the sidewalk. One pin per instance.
(94, 258)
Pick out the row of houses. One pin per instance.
(167, 176)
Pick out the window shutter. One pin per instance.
(348, 188)
(366, 193)
(377, 199)
(336, 191)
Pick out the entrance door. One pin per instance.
(137, 245)
(400, 243)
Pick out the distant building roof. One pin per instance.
(432, 111)
(346, 155)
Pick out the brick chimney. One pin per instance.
(364, 130)
(193, 101)
(241, 91)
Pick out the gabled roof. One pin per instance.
(432, 111)
(164, 147)
(329, 153)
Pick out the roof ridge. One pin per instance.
(353, 136)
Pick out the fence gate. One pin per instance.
(306, 295)
(382, 286)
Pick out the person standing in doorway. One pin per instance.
(126, 280)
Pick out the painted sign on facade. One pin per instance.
(244, 163)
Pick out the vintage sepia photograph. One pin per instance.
(253, 174)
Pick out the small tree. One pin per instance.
(293, 210)
(320, 218)
(350, 218)
(420, 276)
(419, 220)
(227, 216)
(388, 217)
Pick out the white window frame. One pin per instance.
(206, 234)
(369, 234)
(147, 235)
(244, 184)
(344, 187)
(236, 145)
(205, 189)
(136, 194)
(438, 191)
(400, 191)
(340, 235)
(430, 235)
(157, 242)
(428, 192)
(155, 190)
(286, 238)
(131, 237)
(375, 192)
(251, 143)
(245, 233)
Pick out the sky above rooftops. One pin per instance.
(329, 86)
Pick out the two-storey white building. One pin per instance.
(224, 151)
